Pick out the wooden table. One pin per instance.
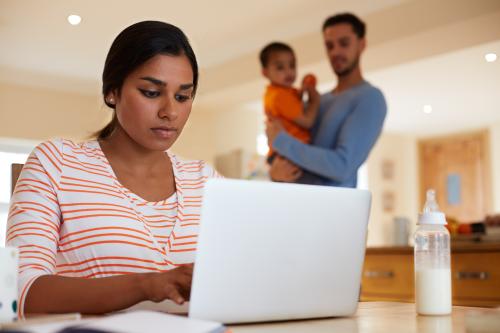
(374, 317)
(371, 317)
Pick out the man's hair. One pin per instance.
(357, 25)
(271, 48)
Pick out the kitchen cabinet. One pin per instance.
(388, 274)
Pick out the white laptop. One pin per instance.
(273, 251)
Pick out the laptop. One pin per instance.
(274, 251)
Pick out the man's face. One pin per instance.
(343, 48)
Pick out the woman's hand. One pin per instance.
(62, 294)
(174, 285)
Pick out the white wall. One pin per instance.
(401, 150)
(237, 129)
(197, 140)
(40, 114)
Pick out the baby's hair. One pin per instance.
(271, 48)
(358, 26)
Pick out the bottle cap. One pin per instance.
(431, 213)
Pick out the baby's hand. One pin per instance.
(309, 81)
(313, 95)
(309, 87)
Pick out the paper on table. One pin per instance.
(167, 306)
(43, 323)
(133, 322)
(153, 322)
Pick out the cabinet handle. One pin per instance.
(379, 274)
(472, 275)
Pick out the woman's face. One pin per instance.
(155, 101)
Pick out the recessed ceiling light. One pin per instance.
(74, 19)
(427, 109)
(490, 57)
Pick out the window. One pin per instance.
(262, 146)
(363, 177)
(11, 151)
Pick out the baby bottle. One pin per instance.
(432, 261)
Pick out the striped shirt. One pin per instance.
(69, 215)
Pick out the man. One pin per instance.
(349, 121)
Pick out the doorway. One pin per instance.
(458, 168)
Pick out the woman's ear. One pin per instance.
(111, 98)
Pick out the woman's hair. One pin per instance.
(133, 47)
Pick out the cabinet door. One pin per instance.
(388, 277)
(476, 279)
(457, 167)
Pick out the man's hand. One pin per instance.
(282, 170)
(273, 128)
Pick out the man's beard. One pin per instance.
(346, 71)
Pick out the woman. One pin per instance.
(105, 224)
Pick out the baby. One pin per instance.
(281, 99)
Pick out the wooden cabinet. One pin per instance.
(388, 275)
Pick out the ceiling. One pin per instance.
(40, 48)
(462, 88)
(40, 39)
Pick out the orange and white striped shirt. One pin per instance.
(69, 215)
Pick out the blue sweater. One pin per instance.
(347, 127)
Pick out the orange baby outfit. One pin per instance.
(285, 104)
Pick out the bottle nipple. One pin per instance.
(431, 213)
(431, 205)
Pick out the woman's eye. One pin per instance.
(182, 98)
(150, 93)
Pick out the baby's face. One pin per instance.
(280, 69)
